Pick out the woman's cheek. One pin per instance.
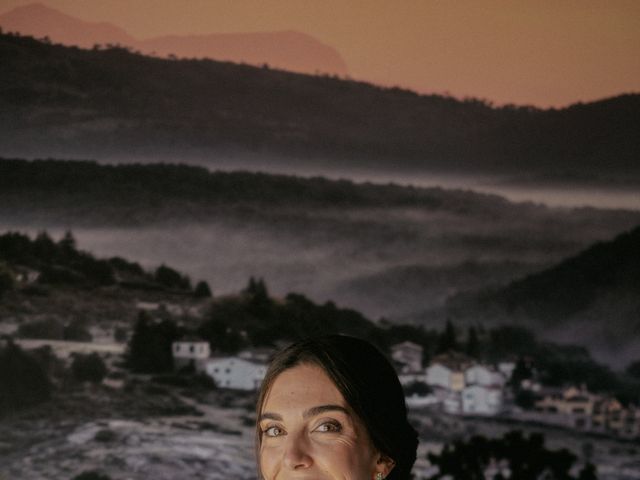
(269, 458)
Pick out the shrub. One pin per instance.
(49, 328)
(170, 278)
(77, 332)
(91, 475)
(88, 368)
(120, 334)
(149, 348)
(202, 290)
(417, 388)
(105, 435)
(6, 279)
(23, 382)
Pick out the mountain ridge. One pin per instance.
(65, 101)
(40, 20)
(299, 52)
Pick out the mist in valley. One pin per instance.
(396, 263)
(395, 245)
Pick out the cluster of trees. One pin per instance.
(251, 319)
(54, 329)
(512, 456)
(179, 186)
(61, 263)
(28, 378)
(23, 381)
(254, 319)
(552, 364)
(58, 262)
(149, 348)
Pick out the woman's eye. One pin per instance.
(273, 431)
(329, 427)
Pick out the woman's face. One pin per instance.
(309, 432)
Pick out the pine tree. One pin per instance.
(473, 344)
(447, 340)
(150, 345)
(67, 246)
(202, 290)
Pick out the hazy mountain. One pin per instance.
(111, 103)
(288, 50)
(41, 21)
(593, 296)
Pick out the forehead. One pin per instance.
(300, 387)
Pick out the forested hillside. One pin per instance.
(573, 285)
(591, 297)
(108, 102)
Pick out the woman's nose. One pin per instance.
(297, 454)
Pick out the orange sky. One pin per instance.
(541, 52)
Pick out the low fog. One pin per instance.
(385, 262)
(396, 263)
(400, 264)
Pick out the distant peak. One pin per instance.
(40, 20)
(287, 49)
(34, 8)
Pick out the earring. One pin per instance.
(379, 476)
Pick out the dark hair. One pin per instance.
(369, 385)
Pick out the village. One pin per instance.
(178, 373)
(452, 383)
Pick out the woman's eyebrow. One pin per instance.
(270, 416)
(313, 411)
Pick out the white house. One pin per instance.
(409, 355)
(147, 306)
(190, 352)
(26, 276)
(439, 375)
(257, 355)
(409, 378)
(416, 400)
(483, 375)
(235, 373)
(481, 400)
(447, 371)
